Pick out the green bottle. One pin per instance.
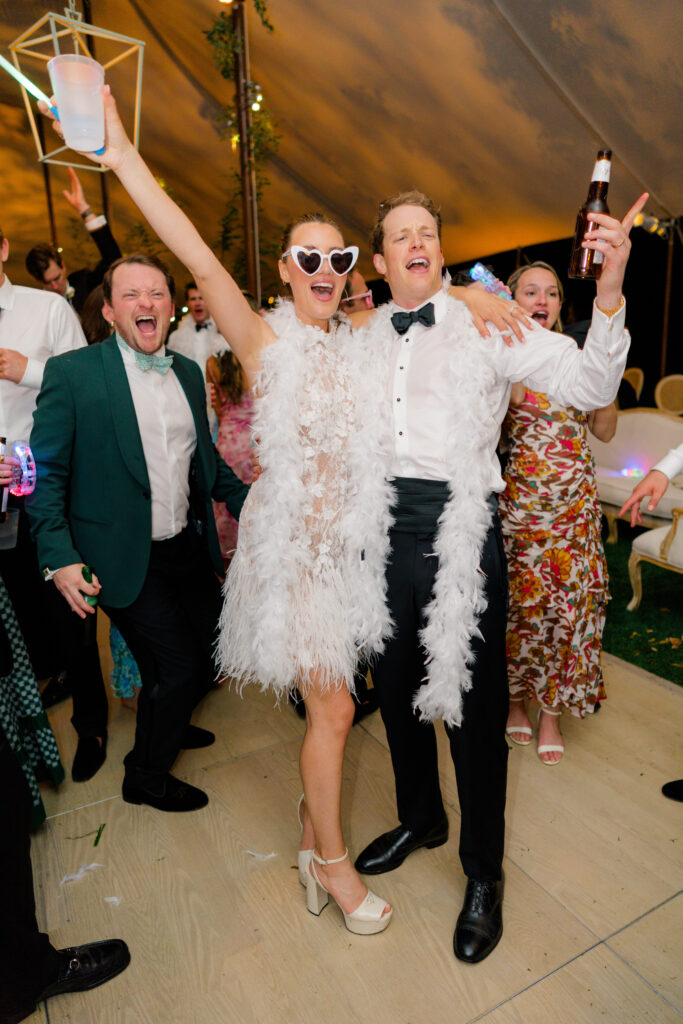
(86, 573)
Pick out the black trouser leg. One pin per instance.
(56, 638)
(170, 629)
(397, 675)
(28, 961)
(478, 747)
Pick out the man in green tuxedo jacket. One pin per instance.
(126, 475)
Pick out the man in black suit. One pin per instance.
(127, 472)
(31, 969)
(46, 263)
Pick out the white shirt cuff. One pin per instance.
(96, 223)
(33, 374)
(672, 463)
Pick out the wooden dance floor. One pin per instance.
(211, 907)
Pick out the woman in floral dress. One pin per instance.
(234, 409)
(551, 527)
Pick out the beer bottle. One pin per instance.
(587, 263)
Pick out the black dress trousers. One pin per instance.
(478, 747)
(171, 629)
(28, 961)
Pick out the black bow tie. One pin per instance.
(201, 327)
(403, 321)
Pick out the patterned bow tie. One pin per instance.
(162, 364)
(202, 327)
(402, 322)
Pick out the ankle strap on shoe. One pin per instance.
(549, 711)
(335, 860)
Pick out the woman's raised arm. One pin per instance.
(246, 332)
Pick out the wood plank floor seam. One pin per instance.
(642, 978)
(538, 981)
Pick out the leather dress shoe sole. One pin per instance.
(177, 796)
(195, 738)
(88, 966)
(89, 757)
(389, 850)
(479, 927)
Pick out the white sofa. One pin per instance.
(642, 437)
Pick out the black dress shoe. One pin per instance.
(177, 796)
(86, 967)
(195, 738)
(480, 923)
(390, 849)
(89, 758)
(57, 690)
(674, 790)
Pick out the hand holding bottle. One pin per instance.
(611, 238)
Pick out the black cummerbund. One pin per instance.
(419, 503)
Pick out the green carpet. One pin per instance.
(652, 636)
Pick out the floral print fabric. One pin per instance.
(233, 444)
(558, 575)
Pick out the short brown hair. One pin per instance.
(513, 284)
(143, 260)
(410, 198)
(38, 260)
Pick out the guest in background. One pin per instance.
(197, 336)
(46, 263)
(653, 486)
(551, 520)
(234, 408)
(35, 325)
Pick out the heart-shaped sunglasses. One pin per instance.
(311, 260)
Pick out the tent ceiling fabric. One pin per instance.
(495, 108)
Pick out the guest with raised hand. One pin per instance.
(295, 609)
(653, 485)
(551, 519)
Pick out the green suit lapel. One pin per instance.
(123, 411)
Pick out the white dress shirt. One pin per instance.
(672, 463)
(169, 439)
(418, 384)
(197, 344)
(38, 324)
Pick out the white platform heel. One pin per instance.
(367, 919)
(304, 856)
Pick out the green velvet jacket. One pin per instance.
(92, 500)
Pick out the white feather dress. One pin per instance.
(305, 593)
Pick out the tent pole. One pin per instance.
(247, 168)
(667, 301)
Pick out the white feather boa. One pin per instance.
(458, 599)
(260, 638)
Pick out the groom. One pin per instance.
(446, 576)
(126, 474)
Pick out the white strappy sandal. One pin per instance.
(304, 856)
(549, 748)
(367, 919)
(525, 730)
